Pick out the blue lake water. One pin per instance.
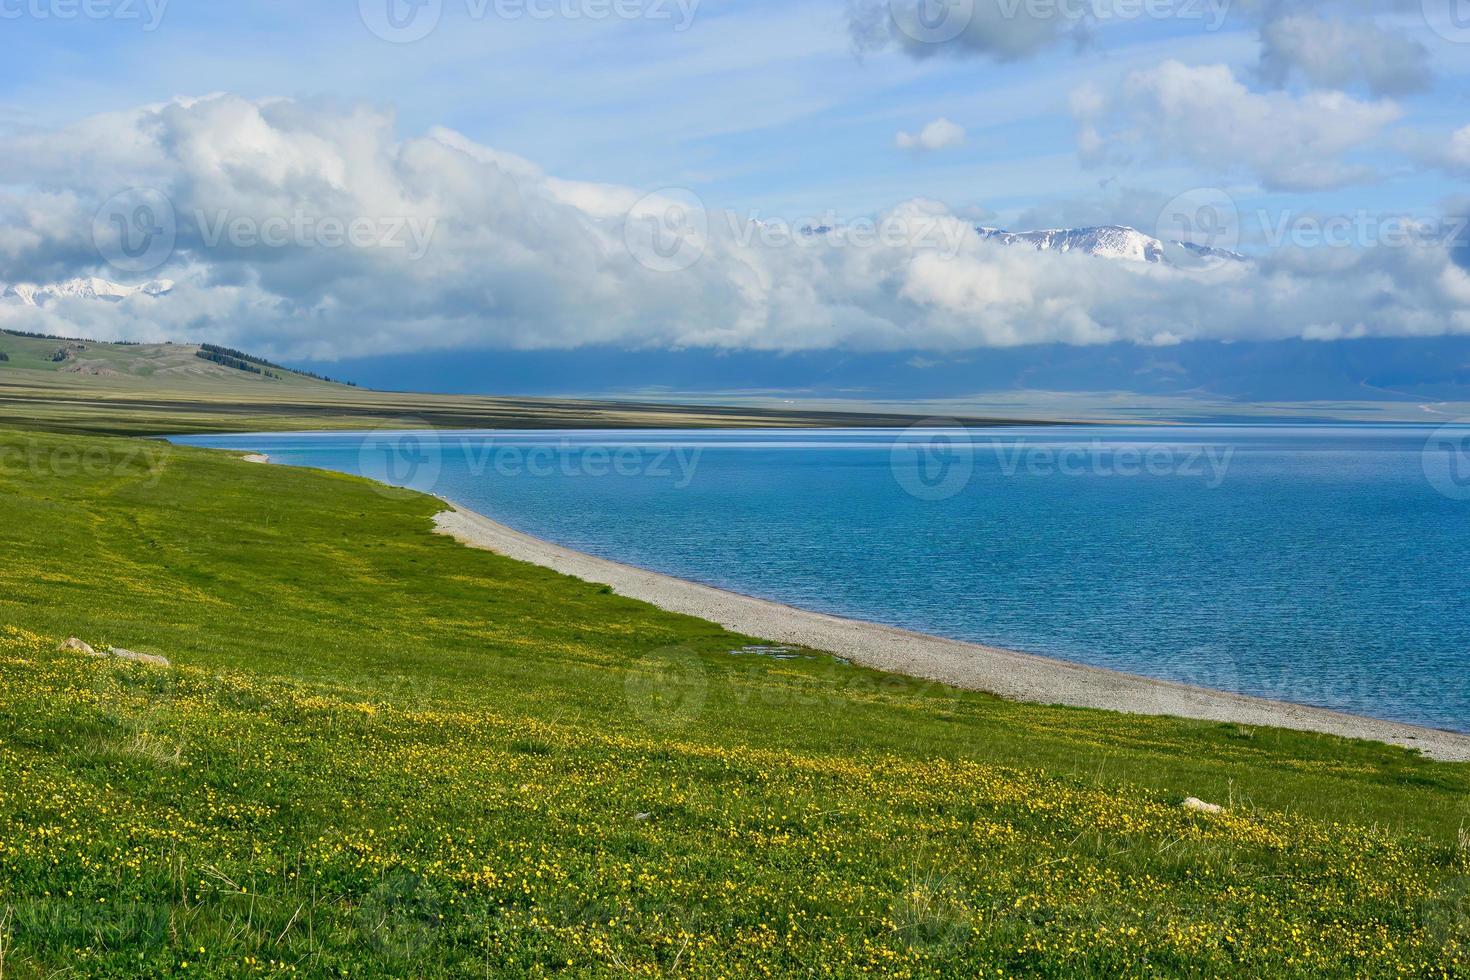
(1327, 565)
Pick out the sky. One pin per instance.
(371, 178)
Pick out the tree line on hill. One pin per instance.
(239, 364)
(230, 357)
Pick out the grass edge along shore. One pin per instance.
(1008, 673)
(378, 752)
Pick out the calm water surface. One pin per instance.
(1324, 565)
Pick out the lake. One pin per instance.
(1326, 565)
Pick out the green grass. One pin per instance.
(380, 753)
(88, 359)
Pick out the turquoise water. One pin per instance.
(1322, 565)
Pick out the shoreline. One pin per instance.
(1006, 673)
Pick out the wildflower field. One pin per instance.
(378, 753)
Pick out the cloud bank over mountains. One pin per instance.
(315, 230)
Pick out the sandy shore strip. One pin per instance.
(256, 458)
(1018, 676)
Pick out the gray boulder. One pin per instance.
(139, 658)
(80, 646)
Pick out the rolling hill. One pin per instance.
(63, 385)
(178, 363)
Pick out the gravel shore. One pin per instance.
(1019, 676)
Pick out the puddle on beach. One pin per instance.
(779, 653)
(775, 653)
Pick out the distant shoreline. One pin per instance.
(1006, 673)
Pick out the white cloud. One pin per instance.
(1448, 153)
(941, 134)
(519, 259)
(1206, 117)
(1339, 54)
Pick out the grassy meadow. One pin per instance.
(378, 753)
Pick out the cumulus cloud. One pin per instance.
(1349, 48)
(1340, 54)
(1206, 117)
(1448, 153)
(941, 134)
(267, 194)
(997, 29)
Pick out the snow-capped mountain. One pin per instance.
(1106, 242)
(1112, 242)
(90, 288)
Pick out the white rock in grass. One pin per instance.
(139, 658)
(1200, 806)
(80, 646)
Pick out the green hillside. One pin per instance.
(167, 364)
(379, 753)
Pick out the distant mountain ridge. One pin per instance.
(30, 294)
(1113, 242)
(1116, 242)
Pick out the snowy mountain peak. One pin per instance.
(91, 287)
(1112, 242)
(1109, 242)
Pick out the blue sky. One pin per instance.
(756, 104)
(1103, 113)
